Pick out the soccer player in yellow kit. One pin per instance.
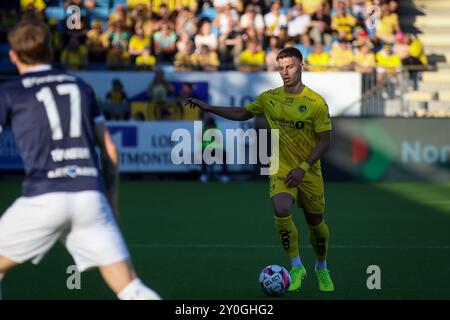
(302, 118)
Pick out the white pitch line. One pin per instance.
(265, 246)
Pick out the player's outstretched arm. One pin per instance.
(231, 113)
(110, 164)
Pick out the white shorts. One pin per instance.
(83, 221)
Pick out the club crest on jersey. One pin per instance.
(71, 171)
(289, 100)
(302, 108)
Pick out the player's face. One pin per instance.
(290, 70)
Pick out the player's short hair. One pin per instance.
(30, 40)
(290, 52)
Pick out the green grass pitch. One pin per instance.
(209, 241)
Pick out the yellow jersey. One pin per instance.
(386, 61)
(249, 58)
(299, 118)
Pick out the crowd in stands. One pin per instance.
(230, 34)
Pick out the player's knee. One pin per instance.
(282, 211)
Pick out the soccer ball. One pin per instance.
(274, 280)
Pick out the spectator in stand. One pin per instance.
(184, 59)
(341, 56)
(158, 92)
(260, 6)
(186, 22)
(168, 4)
(321, 26)
(138, 43)
(362, 38)
(389, 65)
(358, 10)
(117, 107)
(184, 41)
(230, 40)
(298, 21)
(56, 39)
(117, 56)
(206, 59)
(132, 4)
(96, 42)
(274, 20)
(165, 44)
(35, 5)
(251, 34)
(164, 16)
(252, 59)
(305, 45)
(365, 59)
(310, 6)
(271, 54)
(74, 55)
(416, 48)
(120, 16)
(402, 49)
(388, 25)
(343, 22)
(145, 61)
(283, 36)
(206, 36)
(191, 5)
(252, 18)
(318, 60)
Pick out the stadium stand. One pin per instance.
(334, 35)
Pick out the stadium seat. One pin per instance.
(432, 21)
(430, 4)
(444, 95)
(439, 77)
(435, 39)
(420, 96)
(430, 86)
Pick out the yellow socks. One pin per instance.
(287, 231)
(319, 235)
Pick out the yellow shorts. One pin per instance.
(309, 193)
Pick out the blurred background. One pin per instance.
(383, 68)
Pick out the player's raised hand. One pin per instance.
(192, 103)
(294, 177)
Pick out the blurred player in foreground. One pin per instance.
(302, 118)
(57, 125)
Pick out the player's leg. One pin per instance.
(6, 264)
(282, 199)
(96, 241)
(29, 228)
(123, 281)
(312, 200)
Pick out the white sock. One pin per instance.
(296, 262)
(136, 290)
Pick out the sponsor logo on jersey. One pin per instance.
(288, 123)
(72, 172)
